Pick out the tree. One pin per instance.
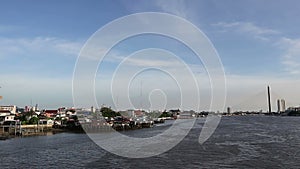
(108, 112)
(21, 117)
(33, 120)
(165, 114)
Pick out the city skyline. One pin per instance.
(258, 44)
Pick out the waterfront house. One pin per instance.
(187, 114)
(50, 113)
(46, 122)
(138, 113)
(6, 115)
(84, 116)
(174, 112)
(9, 117)
(11, 108)
(71, 112)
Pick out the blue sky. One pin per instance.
(258, 43)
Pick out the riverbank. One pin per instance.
(12, 131)
(8, 132)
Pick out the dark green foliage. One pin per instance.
(33, 120)
(22, 118)
(165, 114)
(108, 112)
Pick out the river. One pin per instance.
(238, 142)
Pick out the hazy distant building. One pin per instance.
(278, 106)
(228, 110)
(282, 105)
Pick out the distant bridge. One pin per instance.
(258, 102)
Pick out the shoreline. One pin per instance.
(52, 131)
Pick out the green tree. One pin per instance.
(22, 118)
(165, 114)
(108, 112)
(33, 120)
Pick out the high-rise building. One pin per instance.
(282, 105)
(228, 110)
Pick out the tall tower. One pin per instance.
(269, 100)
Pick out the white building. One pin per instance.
(6, 115)
(11, 108)
(9, 118)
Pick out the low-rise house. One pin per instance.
(9, 117)
(50, 113)
(46, 122)
(11, 108)
(84, 116)
(6, 115)
(174, 112)
(71, 112)
(187, 114)
(138, 113)
(4, 112)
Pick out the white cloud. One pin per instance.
(145, 62)
(248, 28)
(177, 7)
(291, 57)
(11, 47)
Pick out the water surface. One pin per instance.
(238, 142)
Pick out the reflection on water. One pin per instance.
(239, 142)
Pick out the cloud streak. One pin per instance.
(291, 55)
(176, 7)
(248, 28)
(29, 46)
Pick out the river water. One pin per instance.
(238, 142)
